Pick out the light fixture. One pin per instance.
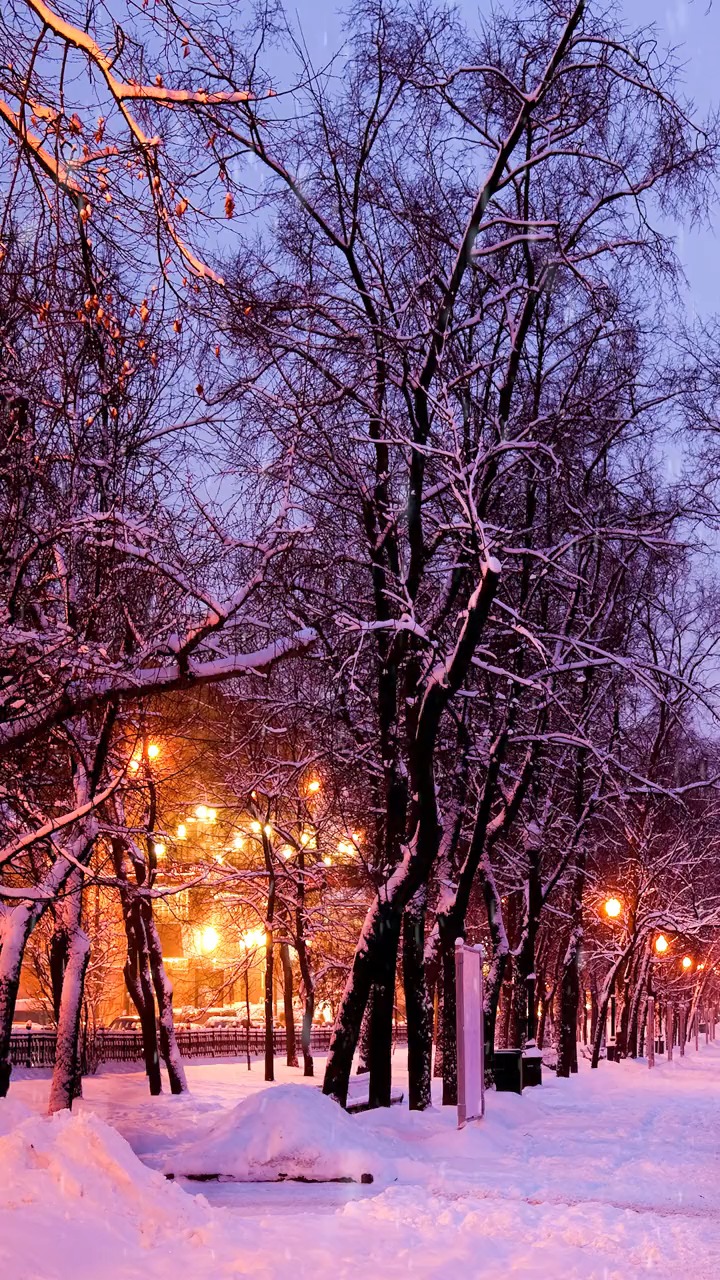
(210, 938)
(661, 943)
(255, 827)
(253, 938)
(314, 786)
(238, 841)
(201, 812)
(153, 751)
(159, 849)
(613, 907)
(268, 830)
(211, 815)
(327, 860)
(686, 962)
(181, 831)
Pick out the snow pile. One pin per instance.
(287, 1131)
(72, 1188)
(12, 1114)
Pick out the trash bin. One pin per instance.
(531, 1068)
(507, 1070)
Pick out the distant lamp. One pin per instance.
(201, 812)
(181, 831)
(210, 938)
(327, 860)
(661, 944)
(687, 962)
(268, 830)
(153, 751)
(613, 908)
(159, 849)
(255, 827)
(314, 786)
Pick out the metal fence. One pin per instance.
(37, 1048)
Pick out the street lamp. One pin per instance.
(210, 938)
(613, 908)
(314, 786)
(686, 962)
(661, 944)
(153, 751)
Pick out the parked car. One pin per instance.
(32, 1015)
(126, 1022)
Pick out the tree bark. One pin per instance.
(363, 1066)
(66, 1082)
(417, 1004)
(164, 996)
(291, 1056)
(381, 1016)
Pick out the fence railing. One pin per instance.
(37, 1048)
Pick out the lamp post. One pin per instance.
(613, 910)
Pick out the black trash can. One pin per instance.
(531, 1070)
(507, 1070)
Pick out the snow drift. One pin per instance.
(287, 1131)
(75, 1199)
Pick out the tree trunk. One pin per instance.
(17, 927)
(308, 1013)
(381, 1018)
(269, 976)
(19, 922)
(164, 996)
(449, 1020)
(292, 1060)
(569, 998)
(66, 1080)
(352, 1007)
(363, 1066)
(417, 1004)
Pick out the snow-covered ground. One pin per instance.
(614, 1173)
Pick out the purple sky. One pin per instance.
(694, 26)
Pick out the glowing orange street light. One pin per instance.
(687, 962)
(661, 944)
(153, 751)
(210, 938)
(613, 908)
(314, 786)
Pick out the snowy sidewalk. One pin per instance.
(614, 1173)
